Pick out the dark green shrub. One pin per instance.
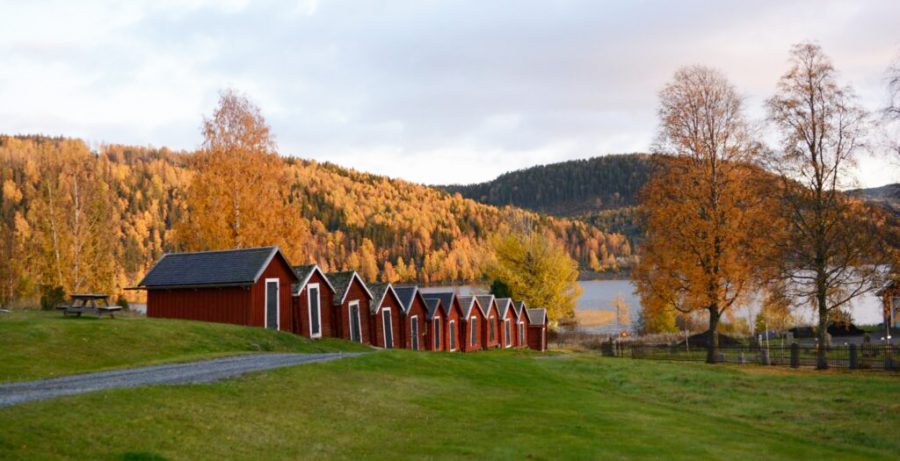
(52, 296)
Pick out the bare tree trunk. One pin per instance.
(712, 346)
(821, 300)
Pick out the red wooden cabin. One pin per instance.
(412, 333)
(890, 300)
(386, 316)
(471, 335)
(521, 324)
(508, 319)
(445, 322)
(490, 332)
(351, 302)
(537, 329)
(312, 303)
(250, 286)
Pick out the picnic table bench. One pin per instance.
(88, 302)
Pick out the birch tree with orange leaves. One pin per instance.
(701, 213)
(835, 245)
(240, 195)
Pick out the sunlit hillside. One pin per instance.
(97, 220)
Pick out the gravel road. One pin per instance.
(181, 373)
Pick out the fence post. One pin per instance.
(889, 363)
(764, 356)
(854, 359)
(795, 355)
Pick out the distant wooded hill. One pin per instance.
(569, 188)
(601, 191)
(97, 220)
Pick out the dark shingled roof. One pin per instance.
(467, 302)
(503, 305)
(379, 291)
(485, 302)
(303, 274)
(341, 283)
(518, 306)
(406, 295)
(446, 298)
(304, 270)
(536, 316)
(210, 268)
(431, 306)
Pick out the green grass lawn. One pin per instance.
(489, 405)
(37, 344)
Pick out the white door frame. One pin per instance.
(358, 320)
(436, 334)
(277, 303)
(452, 336)
(386, 326)
(309, 308)
(414, 341)
(507, 331)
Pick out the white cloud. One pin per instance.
(429, 91)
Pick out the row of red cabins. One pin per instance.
(259, 287)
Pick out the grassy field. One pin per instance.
(38, 344)
(489, 405)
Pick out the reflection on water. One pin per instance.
(598, 294)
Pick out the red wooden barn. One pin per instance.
(412, 333)
(313, 310)
(508, 319)
(386, 316)
(521, 324)
(890, 300)
(537, 329)
(250, 286)
(444, 317)
(472, 333)
(351, 302)
(490, 332)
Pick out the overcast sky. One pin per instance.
(429, 91)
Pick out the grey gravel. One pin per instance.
(204, 371)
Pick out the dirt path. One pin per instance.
(181, 373)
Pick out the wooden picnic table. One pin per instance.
(88, 302)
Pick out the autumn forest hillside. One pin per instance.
(96, 220)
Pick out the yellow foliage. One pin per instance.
(537, 270)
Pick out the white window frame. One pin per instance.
(436, 334)
(358, 320)
(277, 303)
(507, 330)
(473, 334)
(414, 341)
(386, 326)
(452, 325)
(309, 308)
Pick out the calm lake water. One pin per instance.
(598, 294)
